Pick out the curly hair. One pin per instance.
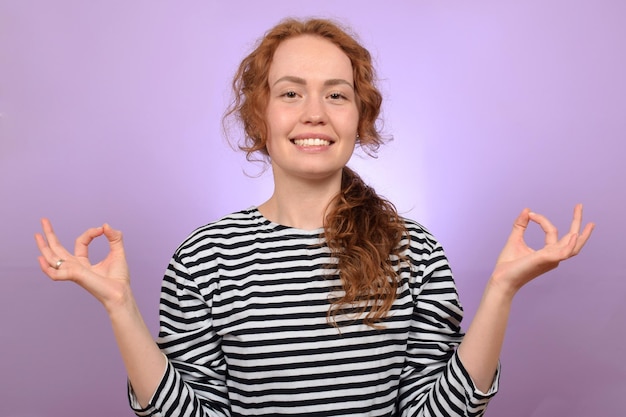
(364, 233)
(362, 230)
(251, 88)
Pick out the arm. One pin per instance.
(434, 381)
(516, 266)
(152, 378)
(194, 383)
(109, 282)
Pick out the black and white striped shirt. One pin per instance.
(244, 325)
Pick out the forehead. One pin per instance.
(310, 57)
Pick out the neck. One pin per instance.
(302, 204)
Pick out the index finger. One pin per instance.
(81, 246)
(551, 232)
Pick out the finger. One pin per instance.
(114, 237)
(56, 248)
(520, 224)
(51, 257)
(578, 219)
(575, 228)
(584, 237)
(566, 246)
(51, 271)
(572, 243)
(81, 246)
(44, 265)
(42, 245)
(552, 234)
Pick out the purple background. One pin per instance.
(111, 110)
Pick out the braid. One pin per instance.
(363, 232)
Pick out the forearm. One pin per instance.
(480, 349)
(145, 364)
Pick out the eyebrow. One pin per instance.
(302, 81)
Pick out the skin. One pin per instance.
(517, 265)
(311, 96)
(306, 179)
(109, 282)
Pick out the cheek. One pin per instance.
(355, 114)
(355, 122)
(276, 128)
(270, 126)
(277, 120)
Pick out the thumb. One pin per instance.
(113, 236)
(520, 225)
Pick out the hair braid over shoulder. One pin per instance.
(364, 232)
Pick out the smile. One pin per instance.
(311, 142)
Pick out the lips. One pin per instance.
(312, 139)
(312, 142)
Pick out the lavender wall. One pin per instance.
(110, 111)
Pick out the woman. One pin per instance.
(322, 300)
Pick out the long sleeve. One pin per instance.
(244, 326)
(434, 381)
(194, 382)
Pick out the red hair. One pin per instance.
(251, 87)
(362, 230)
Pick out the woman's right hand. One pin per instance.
(108, 281)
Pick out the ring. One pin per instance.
(58, 264)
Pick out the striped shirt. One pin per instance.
(243, 323)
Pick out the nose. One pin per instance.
(314, 112)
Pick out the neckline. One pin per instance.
(255, 210)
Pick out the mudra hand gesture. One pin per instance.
(108, 280)
(519, 264)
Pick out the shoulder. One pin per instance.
(419, 236)
(428, 260)
(229, 228)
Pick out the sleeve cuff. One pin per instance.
(151, 409)
(478, 396)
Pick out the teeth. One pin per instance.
(311, 142)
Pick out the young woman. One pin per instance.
(322, 301)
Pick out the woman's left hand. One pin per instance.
(519, 264)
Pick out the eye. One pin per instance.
(337, 96)
(290, 94)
